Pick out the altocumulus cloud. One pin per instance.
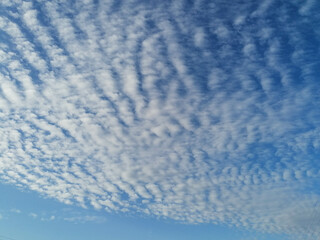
(201, 111)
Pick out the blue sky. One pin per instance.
(26, 216)
(178, 119)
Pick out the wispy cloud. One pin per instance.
(48, 219)
(85, 219)
(68, 216)
(200, 112)
(33, 215)
(15, 210)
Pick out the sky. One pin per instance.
(159, 119)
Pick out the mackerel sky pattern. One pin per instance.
(198, 111)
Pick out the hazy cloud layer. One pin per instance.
(201, 112)
(65, 214)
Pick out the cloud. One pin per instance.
(48, 219)
(198, 112)
(67, 215)
(14, 210)
(33, 215)
(85, 219)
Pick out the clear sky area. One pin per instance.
(26, 216)
(159, 120)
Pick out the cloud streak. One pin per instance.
(201, 112)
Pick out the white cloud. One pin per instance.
(85, 219)
(146, 109)
(14, 210)
(48, 219)
(33, 215)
